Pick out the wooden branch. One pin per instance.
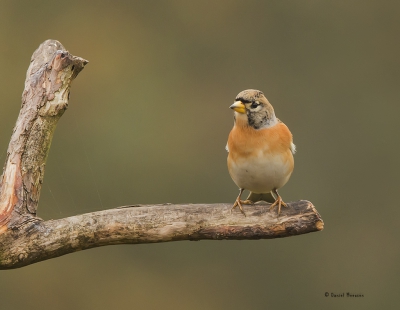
(44, 100)
(157, 223)
(27, 239)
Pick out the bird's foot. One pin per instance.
(239, 203)
(278, 202)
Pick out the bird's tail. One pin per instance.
(261, 197)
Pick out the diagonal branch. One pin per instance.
(27, 239)
(44, 100)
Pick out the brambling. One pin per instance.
(260, 150)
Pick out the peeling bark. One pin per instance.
(44, 100)
(27, 239)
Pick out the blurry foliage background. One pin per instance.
(148, 121)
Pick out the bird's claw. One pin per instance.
(278, 202)
(239, 203)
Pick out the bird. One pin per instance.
(260, 150)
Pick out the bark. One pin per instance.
(26, 239)
(44, 100)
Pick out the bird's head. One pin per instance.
(252, 107)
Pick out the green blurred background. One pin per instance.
(148, 121)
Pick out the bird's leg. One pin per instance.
(239, 202)
(278, 201)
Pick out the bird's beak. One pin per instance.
(239, 107)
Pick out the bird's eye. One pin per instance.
(254, 105)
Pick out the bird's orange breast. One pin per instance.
(245, 141)
(260, 160)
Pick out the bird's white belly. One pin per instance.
(262, 173)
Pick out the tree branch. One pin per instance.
(27, 239)
(44, 100)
